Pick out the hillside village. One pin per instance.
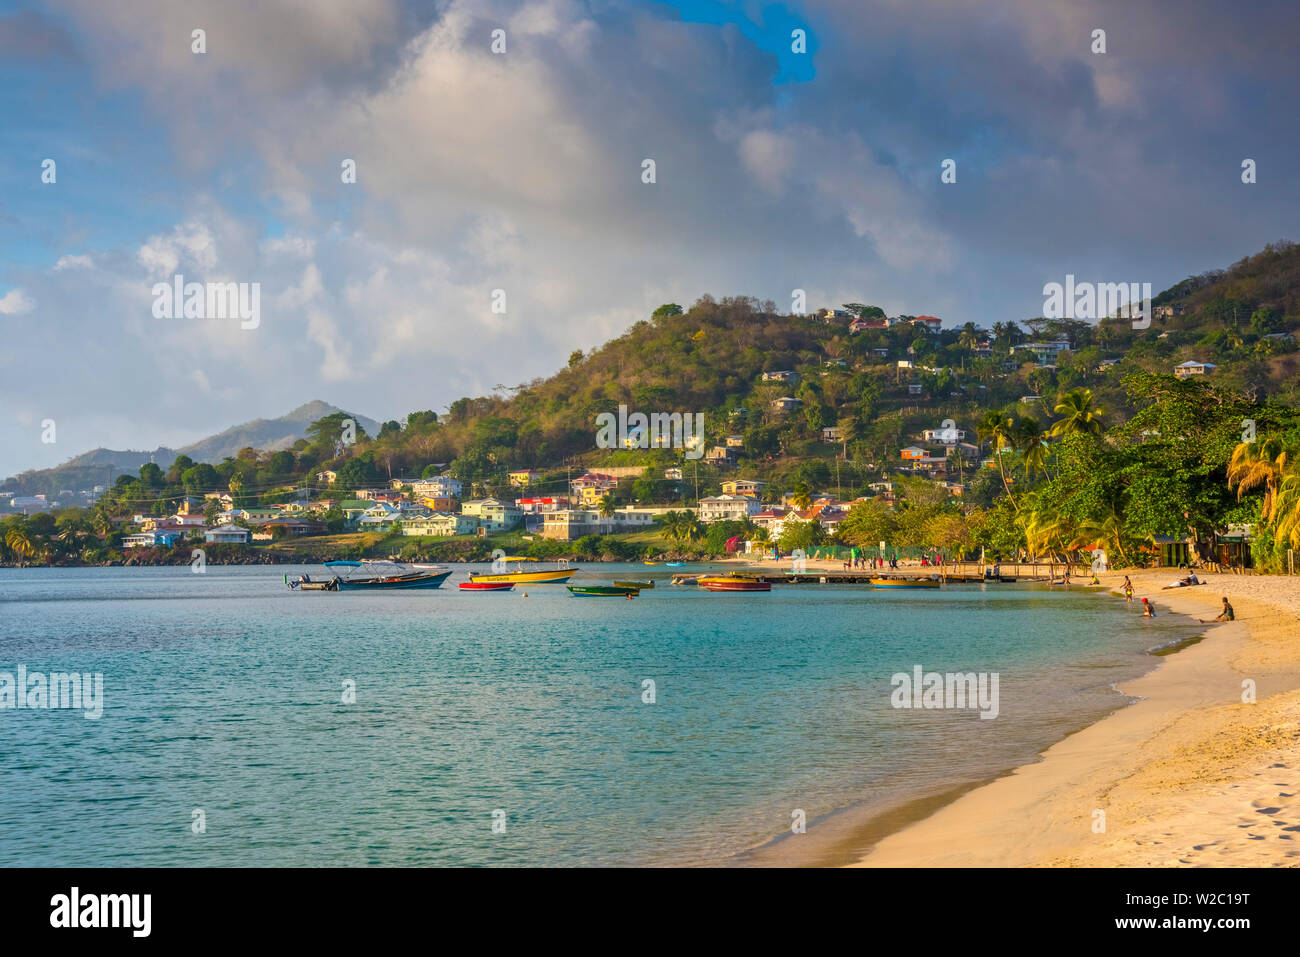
(830, 428)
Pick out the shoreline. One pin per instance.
(1185, 774)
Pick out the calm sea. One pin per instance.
(224, 694)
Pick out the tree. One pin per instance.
(666, 311)
(999, 429)
(1078, 414)
(1029, 441)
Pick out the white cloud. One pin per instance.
(15, 302)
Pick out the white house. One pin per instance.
(227, 534)
(728, 507)
(1191, 368)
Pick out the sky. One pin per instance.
(520, 171)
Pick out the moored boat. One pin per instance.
(904, 583)
(735, 584)
(554, 576)
(602, 591)
(635, 584)
(404, 576)
(486, 586)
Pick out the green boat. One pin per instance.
(602, 591)
(640, 585)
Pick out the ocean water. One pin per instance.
(224, 693)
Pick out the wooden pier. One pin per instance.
(958, 573)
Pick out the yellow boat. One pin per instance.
(555, 576)
(904, 583)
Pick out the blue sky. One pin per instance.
(521, 171)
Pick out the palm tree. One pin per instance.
(1029, 440)
(607, 509)
(1078, 414)
(1258, 464)
(998, 428)
(1107, 530)
(802, 497)
(20, 544)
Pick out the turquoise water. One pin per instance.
(224, 692)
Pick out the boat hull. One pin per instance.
(719, 585)
(526, 578)
(601, 591)
(639, 585)
(902, 583)
(486, 586)
(433, 580)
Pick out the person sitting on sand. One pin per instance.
(1147, 610)
(1225, 615)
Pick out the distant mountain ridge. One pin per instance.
(93, 467)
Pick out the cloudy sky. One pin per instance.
(522, 171)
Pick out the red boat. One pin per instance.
(486, 586)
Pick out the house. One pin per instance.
(439, 503)
(567, 525)
(224, 499)
(1028, 399)
(353, 509)
(493, 514)
(674, 474)
(914, 388)
(441, 524)
(930, 324)
(787, 403)
(945, 436)
(327, 476)
(380, 495)
(1107, 364)
(1191, 368)
(858, 325)
(727, 507)
(190, 505)
(522, 478)
(832, 433)
(831, 365)
(880, 353)
(1169, 311)
(1044, 353)
(782, 376)
(292, 526)
(535, 506)
(1283, 337)
(227, 535)
(167, 537)
(750, 487)
(439, 486)
(721, 455)
(912, 453)
(982, 349)
(734, 441)
(591, 487)
(379, 516)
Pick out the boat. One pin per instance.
(556, 576)
(305, 583)
(402, 576)
(635, 584)
(734, 582)
(904, 583)
(602, 591)
(649, 563)
(675, 564)
(486, 586)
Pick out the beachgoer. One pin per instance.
(1147, 610)
(1226, 614)
(1128, 589)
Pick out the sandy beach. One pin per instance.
(1188, 775)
